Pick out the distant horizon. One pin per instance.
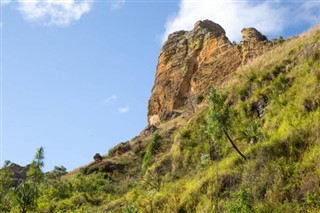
(76, 76)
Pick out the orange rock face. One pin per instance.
(191, 62)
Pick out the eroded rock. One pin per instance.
(120, 149)
(191, 62)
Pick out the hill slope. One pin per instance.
(266, 101)
(274, 103)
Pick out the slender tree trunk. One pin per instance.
(217, 182)
(234, 146)
(23, 210)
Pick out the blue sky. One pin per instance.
(77, 75)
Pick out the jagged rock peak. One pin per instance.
(200, 28)
(252, 34)
(253, 44)
(176, 34)
(209, 26)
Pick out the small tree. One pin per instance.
(5, 184)
(35, 174)
(154, 178)
(27, 193)
(25, 196)
(218, 125)
(151, 149)
(219, 121)
(60, 170)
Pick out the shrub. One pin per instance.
(151, 149)
(242, 203)
(199, 98)
(129, 208)
(252, 132)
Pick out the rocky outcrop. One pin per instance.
(97, 158)
(105, 167)
(253, 44)
(19, 174)
(191, 62)
(120, 149)
(148, 130)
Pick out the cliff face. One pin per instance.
(191, 62)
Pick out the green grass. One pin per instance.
(281, 173)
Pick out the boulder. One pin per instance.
(97, 158)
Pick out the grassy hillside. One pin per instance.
(188, 165)
(274, 105)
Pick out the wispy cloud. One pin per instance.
(110, 100)
(269, 17)
(117, 5)
(124, 109)
(51, 12)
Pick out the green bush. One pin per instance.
(151, 149)
(241, 203)
(199, 98)
(129, 208)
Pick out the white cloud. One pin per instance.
(110, 100)
(53, 12)
(118, 4)
(124, 109)
(269, 17)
